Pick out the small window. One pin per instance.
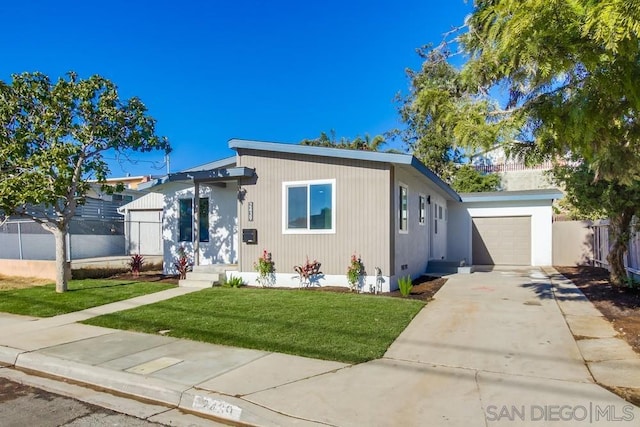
(422, 209)
(185, 220)
(309, 207)
(439, 212)
(403, 204)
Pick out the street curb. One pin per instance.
(9, 355)
(151, 390)
(130, 384)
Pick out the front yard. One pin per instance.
(324, 325)
(42, 301)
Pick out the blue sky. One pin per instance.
(210, 71)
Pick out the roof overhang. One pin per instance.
(512, 196)
(213, 175)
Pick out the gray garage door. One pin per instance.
(502, 240)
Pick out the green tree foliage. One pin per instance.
(604, 198)
(52, 139)
(467, 179)
(543, 79)
(567, 71)
(358, 143)
(431, 99)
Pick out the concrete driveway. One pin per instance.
(493, 348)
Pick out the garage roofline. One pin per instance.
(512, 196)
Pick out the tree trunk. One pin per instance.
(619, 233)
(60, 235)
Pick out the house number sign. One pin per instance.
(250, 211)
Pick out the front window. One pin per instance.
(309, 207)
(203, 225)
(185, 220)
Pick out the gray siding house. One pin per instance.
(300, 202)
(303, 202)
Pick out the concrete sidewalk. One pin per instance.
(493, 348)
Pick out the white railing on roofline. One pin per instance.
(512, 166)
(601, 248)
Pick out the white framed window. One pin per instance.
(422, 209)
(309, 207)
(403, 211)
(435, 218)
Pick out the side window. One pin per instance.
(422, 209)
(403, 205)
(435, 218)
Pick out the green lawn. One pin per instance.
(323, 325)
(43, 301)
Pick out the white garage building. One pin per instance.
(502, 228)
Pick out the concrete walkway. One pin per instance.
(493, 348)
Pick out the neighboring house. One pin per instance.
(143, 225)
(327, 204)
(514, 174)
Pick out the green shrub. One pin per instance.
(233, 282)
(405, 285)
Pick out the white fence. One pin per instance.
(601, 249)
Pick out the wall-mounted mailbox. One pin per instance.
(250, 236)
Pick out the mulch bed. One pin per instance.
(424, 288)
(619, 305)
(148, 276)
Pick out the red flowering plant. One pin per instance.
(265, 268)
(308, 271)
(182, 263)
(135, 264)
(354, 272)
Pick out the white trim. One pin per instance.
(399, 211)
(308, 183)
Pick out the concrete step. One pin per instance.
(191, 283)
(442, 266)
(214, 268)
(196, 275)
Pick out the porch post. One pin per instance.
(196, 222)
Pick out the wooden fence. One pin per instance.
(601, 249)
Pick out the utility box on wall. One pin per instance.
(250, 236)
